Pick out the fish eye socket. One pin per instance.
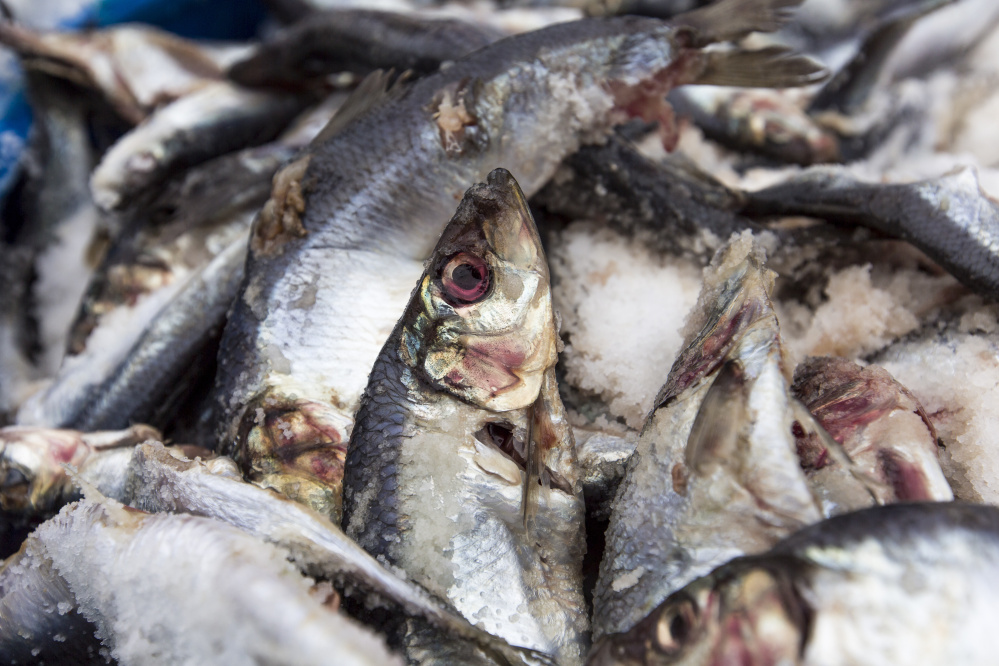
(676, 625)
(465, 278)
(13, 478)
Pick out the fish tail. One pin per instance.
(772, 67)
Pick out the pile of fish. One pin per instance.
(607, 333)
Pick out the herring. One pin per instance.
(901, 584)
(461, 468)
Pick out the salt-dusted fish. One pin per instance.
(215, 119)
(33, 479)
(461, 468)
(336, 250)
(881, 426)
(670, 204)
(911, 583)
(137, 68)
(159, 479)
(715, 474)
(949, 218)
(359, 41)
(140, 579)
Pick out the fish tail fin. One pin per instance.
(731, 20)
(772, 67)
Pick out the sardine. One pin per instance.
(715, 474)
(358, 41)
(350, 222)
(949, 218)
(140, 579)
(904, 584)
(461, 468)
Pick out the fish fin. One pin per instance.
(837, 453)
(714, 436)
(532, 471)
(771, 67)
(549, 438)
(377, 87)
(730, 20)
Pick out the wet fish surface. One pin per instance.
(461, 468)
(908, 583)
(335, 253)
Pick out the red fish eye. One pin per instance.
(465, 278)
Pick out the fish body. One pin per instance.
(949, 218)
(139, 578)
(909, 583)
(335, 254)
(716, 473)
(461, 468)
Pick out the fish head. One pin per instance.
(747, 612)
(485, 303)
(32, 476)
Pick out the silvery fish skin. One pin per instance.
(903, 584)
(159, 479)
(33, 480)
(461, 468)
(715, 474)
(140, 579)
(137, 69)
(881, 426)
(338, 248)
(215, 119)
(949, 218)
(358, 41)
(677, 208)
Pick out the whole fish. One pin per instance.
(949, 218)
(461, 467)
(903, 584)
(716, 472)
(337, 249)
(140, 579)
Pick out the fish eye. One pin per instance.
(13, 478)
(465, 278)
(676, 625)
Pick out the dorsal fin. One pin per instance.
(377, 88)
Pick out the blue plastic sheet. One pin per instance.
(196, 19)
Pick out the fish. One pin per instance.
(139, 578)
(33, 479)
(359, 41)
(138, 69)
(461, 467)
(335, 252)
(215, 119)
(880, 425)
(672, 205)
(906, 583)
(716, 472)
(949, 218)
